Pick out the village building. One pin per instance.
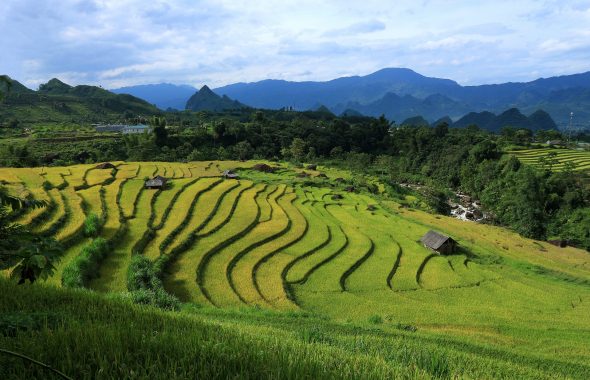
(108, 128)
(229, 174)
(439, 243)
(121, 128)
(132, 129)
(158, 182)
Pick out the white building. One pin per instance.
(140, 128)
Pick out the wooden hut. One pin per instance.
(561, 243)
(158, 182)
(105, 165)
(229, 174)
(439, 243)
(264, 168)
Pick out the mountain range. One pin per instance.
(538, 120)
(400, 93)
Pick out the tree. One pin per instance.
(243, 149)
(5, 85)
(30, 256)
(298, 149)
(160, 136)
(384, 163)
(336, 152)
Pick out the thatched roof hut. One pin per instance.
(229, 174)
(158, 182)
(264, 168)
(561, 243)
(105, 165)
(439, 243)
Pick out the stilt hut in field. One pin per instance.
(439, 243)
(229, 174)
(158, 182)
(105, 165)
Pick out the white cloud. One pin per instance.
(123, 42)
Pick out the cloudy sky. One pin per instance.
(126, 42)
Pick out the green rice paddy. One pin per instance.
(273, 242)
(556, 159)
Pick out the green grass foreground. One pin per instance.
(87, 335)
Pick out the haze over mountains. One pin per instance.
(400, 93)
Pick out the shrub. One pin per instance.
(145, 287)
(159, 298)
(141, 274)
(85, 266)
(92, 225)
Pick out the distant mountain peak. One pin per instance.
(55, 86)
(206, 90)
(207, 100)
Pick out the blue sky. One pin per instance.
(116, 43)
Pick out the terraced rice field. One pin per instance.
(554, 159)
(270, 241)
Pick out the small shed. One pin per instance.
(158, 182)
(229, 174)
(264, 168)
(561, 243)
(439, 243)
(105, 165)
(133, 129)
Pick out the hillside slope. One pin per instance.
(57, 102)
(292, 243)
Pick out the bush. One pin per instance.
(85, 266)
(141, 274)
(92, 225)
(159, 298)
(145, 287)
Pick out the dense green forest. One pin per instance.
(536, 203)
